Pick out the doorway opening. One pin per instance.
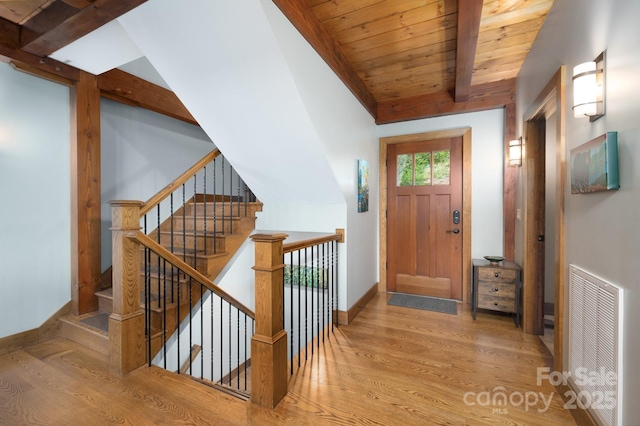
(544, 183)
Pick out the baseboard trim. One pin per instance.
(582, 416)
(345, 318)
(33, 336)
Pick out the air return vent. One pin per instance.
(595, 345)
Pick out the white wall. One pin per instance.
(35, 173)
(347, 133)
(601, 229)
(487, 171)
(141, 152)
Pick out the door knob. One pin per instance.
(455, 231)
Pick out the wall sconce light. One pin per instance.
(588, 89)
(515, 152)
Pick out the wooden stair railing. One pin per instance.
(128, 325)
(215, 222)
(181, 180)
(270, 373)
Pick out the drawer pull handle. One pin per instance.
(495, 274)
(495, 303)
(496, 289)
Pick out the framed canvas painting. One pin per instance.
(594, 165)
(363, 186)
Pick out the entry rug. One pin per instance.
(424, 302)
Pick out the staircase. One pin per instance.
(205, 233)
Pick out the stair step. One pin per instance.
(90, 330)
(209, 241)
(226, 225)
(227, 209)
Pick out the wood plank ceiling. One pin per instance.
(402, 59)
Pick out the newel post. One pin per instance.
(269, 376)
(126, 323)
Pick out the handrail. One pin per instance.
(288, 248)
(164, 193)
(193, 273)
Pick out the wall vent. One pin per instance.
(595, 345)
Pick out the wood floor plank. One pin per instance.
(390, 366)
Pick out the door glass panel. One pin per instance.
(441, 167)
(423, 168)
(405, 170)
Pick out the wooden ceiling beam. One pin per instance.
(304, 19)
(481, 97)
(469, 14)
(126, 88)
(61, 24)
(10, 48)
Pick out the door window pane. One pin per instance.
(423, 169)
(441, 167)
(405, 170)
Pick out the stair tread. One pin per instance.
(97, 322)
(208, 234)
(198, 253)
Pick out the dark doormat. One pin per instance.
(424, 302)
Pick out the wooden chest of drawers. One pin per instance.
(496, 287)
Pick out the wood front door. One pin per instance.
(424, 218)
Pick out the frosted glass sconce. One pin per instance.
(515, 152)
(588, 89)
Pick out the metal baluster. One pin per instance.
(201, 334)
(147, 305)
(221, 345)
(239, 199)
(178, 316)
(238, 348)
(245, 199)
(195, 221)
(291, 283)
(230, 198)
(245, 352)
(204, 238)
(215, 213)
(336, 288)
(173, 283)
(229, 344)
(190, 326)
(312, 303)
(184, 226)
(299, 348)
(331, 288)
(223, 197)
(306, 299)
(159, 236)
(211, 305)
(324, 260)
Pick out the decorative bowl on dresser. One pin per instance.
(496, 286)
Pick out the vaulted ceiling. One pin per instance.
(402, 59)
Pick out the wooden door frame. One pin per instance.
(465, 133)
(550, 100)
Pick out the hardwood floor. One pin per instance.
(391, 366)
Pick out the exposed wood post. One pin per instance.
(269, 377)
(126, 323)
(85, 194)
(510, 174)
